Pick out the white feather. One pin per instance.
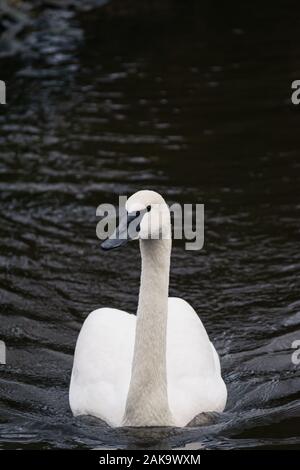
(103, 359)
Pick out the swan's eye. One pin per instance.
(148, 208)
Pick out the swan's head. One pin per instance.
(147, 217)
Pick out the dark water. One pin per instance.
(191, 101)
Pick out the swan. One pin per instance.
(157, 368)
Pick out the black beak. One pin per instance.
(110, 244)
(126, 231)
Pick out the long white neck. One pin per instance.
(147, 400)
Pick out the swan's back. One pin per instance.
(102, 365)
(195, 384)
(103, 358)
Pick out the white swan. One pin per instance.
(158, 368)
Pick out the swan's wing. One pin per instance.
(102, 365)
(195, 384)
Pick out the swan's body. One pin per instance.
(158, 368)
(103, 360)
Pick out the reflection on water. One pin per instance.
(192, 101)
